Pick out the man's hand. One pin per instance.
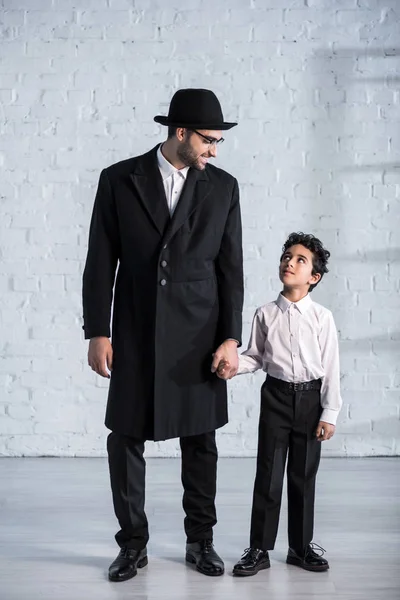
(100, 355)
(225, 360)
(324, 431)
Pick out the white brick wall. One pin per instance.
(315, 87)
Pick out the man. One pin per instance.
(171, 223)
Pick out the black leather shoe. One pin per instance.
(127, 563)
(308, 560)
(252, 561)
(203, 555)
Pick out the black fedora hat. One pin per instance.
(195, 109)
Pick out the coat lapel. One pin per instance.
(147, 181)
(196, 189)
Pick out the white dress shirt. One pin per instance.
(297, 342)
(173, 180)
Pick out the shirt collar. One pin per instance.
(166, 168)
(302, 305)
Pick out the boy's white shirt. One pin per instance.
(296, 342)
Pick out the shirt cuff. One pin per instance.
(247, 364)
(232, 340)
(329, 416)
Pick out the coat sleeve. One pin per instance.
(229, 271)
(101, 263)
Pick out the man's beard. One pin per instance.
(189, 157)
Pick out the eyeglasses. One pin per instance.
(210, 140)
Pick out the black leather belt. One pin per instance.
(289, 387)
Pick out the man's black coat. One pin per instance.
(178, 294)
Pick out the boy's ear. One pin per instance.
(314, 278)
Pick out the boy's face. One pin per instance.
(295, 269)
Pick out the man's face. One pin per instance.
(194, 150)
(296, 266)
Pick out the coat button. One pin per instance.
(164, 263)
(163, 282)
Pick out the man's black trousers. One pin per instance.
(127, 472)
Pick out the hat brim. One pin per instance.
(213, 126)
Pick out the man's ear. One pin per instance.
(181, 133)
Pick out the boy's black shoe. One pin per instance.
(127, 563)
(203, 555)
(308, 560)
(252, 561)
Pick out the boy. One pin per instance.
(294, 340)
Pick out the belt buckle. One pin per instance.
(296, 386)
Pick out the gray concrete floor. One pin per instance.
(57, 528)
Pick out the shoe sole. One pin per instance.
(297, 563)
(238, 573)
(190, 559)
(143, 562)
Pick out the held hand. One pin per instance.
(225, 360)
(223, 369)
(324, 431)
(100, 356)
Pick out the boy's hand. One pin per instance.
(226, 353)
(223, 370)
(324, 431)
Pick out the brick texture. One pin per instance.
(314, 85)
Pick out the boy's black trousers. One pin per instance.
(288, 421)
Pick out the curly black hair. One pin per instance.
(309, 241)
